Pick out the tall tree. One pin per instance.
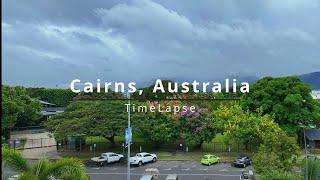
(18, 107)
(276, 149)
(287, 98)
(196, 127)
(60, 97)
(92, 118)
(159, 128)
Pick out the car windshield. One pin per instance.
(205, 157)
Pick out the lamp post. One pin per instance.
(305, 152)
(129, 126)
(305, 149)
(305, 146)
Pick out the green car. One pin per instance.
(209, 159)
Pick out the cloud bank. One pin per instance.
(50, 43)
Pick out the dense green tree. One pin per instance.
(276, 149)
(18, 108)
(280, 175)
(60, 97)
(237, 124)
(92, 118)
(287, 98)
(158, 128)
(277, 152)
(312, 168)
(43, 169)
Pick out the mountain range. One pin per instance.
(311, 78)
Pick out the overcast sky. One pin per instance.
(51, 42)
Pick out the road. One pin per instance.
(186, 170)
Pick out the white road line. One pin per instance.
(227, 175)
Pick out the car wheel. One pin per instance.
(140, 163)
(154, 159)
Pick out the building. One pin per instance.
(313, 138)
(316, 95)
(49, 109)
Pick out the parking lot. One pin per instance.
(186, 170)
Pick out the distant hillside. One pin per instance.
(311, 78)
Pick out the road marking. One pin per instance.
(168, 169)
(227, 175)
(223, 170)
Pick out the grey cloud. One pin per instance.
(141, 40)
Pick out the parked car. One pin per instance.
(172, 177)
(150, 174)
(242, 161)
(147, 177)
(14, 177)
(247, 175)
(209, 159)
(108, 157)
(142, 158)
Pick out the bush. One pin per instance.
(313, 168)
(280, 175)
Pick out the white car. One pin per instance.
(108, 157)
(142, 158)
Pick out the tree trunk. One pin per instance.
(111, 139)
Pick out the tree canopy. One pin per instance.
(91, 118)
(276, 149)
(288, 99)
(18, 108)
(60, 97)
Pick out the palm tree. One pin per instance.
(43, 169)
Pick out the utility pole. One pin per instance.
(129, 126)
(305, 152)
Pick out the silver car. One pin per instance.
(147, 177)
(172, 177)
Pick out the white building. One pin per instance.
(316, 95)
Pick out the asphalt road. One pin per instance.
(186, 170)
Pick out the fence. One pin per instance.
(31, 143)
(174, 147)
(27, 130)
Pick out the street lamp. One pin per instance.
(129, 126)
(305, 149)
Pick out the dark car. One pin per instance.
(242, 161)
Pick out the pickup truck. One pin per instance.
(108, 157)
(142, 158)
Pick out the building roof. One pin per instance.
(46, 103)
(313, 134)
